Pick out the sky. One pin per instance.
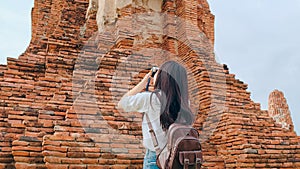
(15, 29)
(258, 39)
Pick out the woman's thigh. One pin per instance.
(150, 160)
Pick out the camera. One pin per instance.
(154, 70)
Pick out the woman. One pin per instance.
(167, 104)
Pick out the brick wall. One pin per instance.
(58, 99)
(279, 110)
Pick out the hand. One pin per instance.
(145, 79)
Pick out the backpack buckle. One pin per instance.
(186, 163)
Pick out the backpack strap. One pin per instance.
(151, 130)
(198, 160)
(153, 135)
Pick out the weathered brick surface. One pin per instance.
(279, 110)
(58, 99)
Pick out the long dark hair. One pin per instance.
(173, 84)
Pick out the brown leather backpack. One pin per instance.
(183, 148)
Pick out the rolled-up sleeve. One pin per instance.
(136, 103)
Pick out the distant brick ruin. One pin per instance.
(58, 99)
(279, 110)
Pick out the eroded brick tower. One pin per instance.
(58, 99)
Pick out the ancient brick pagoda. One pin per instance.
(58, 99)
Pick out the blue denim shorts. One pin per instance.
(150, 160)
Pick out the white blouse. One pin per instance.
(141, 103)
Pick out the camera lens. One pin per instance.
(154, 70)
